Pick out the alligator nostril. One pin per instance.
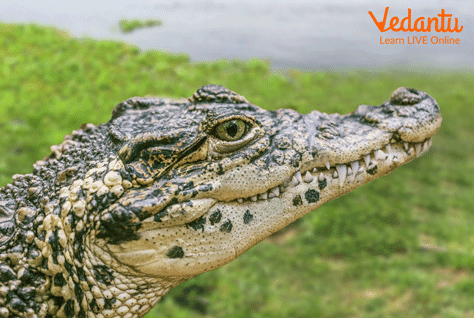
(412, 90)
(405, 96)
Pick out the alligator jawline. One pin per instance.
(366, 164)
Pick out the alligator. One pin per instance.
(120, 213)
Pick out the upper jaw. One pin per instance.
(344, 146)
(409, 116)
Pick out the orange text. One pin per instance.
(442, 23)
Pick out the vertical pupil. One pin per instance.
(232, 129)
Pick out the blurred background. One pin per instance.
(401, 246)
(304, 34)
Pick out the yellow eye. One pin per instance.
(231, 130)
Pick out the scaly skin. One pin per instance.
(120, 213)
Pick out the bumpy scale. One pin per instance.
(120, 213)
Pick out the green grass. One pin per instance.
(401, 246)
(127, 26)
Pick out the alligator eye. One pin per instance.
(231, 130)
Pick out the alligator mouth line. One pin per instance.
(367, 164)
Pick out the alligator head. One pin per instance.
(211, 176)
(120, 213)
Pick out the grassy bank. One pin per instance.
(400, 246)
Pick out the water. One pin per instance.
(336, 34)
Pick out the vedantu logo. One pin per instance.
(441, 23)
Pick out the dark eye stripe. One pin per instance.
(192, 148)
(146, 141)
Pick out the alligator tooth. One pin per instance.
(275, 191)
(308, 177)
(425, 146)
(418, 149)
(253, 198)
(263, 196)
(367, 160)
(335, 175)
(349, 171)
(271, 195)
(395, 159)
(380, 155)
(405, 145)
(410, 151)
(342, 170)
(321, 177)
(282, 189)
(328, 165)
(353, 175)
(361, 169)
(298, 177)
(240, 200)
(294, 182)
(315, 170)
(429, 142)
(389, 149)
(355, 169)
